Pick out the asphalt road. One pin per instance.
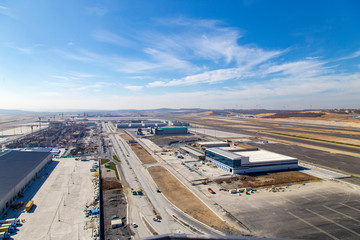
(141, 206)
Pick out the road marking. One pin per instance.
(350, 207)
(341, 213)
(328, 219)
(312, 225)
(307, 198)
(289, 200)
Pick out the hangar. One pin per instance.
(17, 169)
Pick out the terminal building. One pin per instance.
(17, 169)
(242, 162)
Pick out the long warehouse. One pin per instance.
(17, 169)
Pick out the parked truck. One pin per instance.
(9, 229)
(4, 235)
(10, 220)
(29, 205)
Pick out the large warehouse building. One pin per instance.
(171, 130)
(17, 169)
(240, 162)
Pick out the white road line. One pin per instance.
(328, 219)
(288, 200)
(307, 198)
(342, 214)
(350, 207)
(312, 225)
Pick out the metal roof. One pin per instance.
(16, 165)
(264, 156)
(190, 150)
(173, 128)
(224, 153)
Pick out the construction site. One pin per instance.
(149, 184)
(73, 134)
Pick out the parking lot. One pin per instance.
(59, 203)
(320, 210)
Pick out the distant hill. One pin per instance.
(13, 112)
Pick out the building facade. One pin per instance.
(17, 170)
(243, 162)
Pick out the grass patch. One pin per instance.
(315, 139)
(103, 161)
(116, 158)
(113, 167)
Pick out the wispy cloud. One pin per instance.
(134, 88)
(110, 37)
(50, 94)
(210, 77)
(97, 11)
(73, 76)
(353, 55)
(5, 11)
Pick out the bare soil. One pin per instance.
(111, 185)
(322, 137)
(125, 136)
(266, 180)
(163, 141)
(184, 199)
(142, 154)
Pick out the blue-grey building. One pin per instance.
(17, 169)
(240, 162)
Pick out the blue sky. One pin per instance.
(58, 55)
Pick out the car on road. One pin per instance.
(158, 190)
(135, 225)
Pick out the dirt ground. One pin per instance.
(115, 204)
(163, 141)
(142, 154)
(184, 199)
(111, 184)
(266, 180)
(320, 137)
(125, 136)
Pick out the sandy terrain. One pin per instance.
(183, 198)
(142, 154)
(125, 136)
(267, 180)
(319, 137)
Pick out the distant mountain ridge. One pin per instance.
(13, 111)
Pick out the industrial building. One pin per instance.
(193, 152)
(240, 162)
(213, 144)
(171, 130)
(17, 169)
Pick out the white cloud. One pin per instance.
(134, 88)
(50, 94)
(73, 76)
(5, 11)
(110, 37)
(353, 55)
(210, 77)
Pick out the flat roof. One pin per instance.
(263, 156)
(190, 150)
(212, 143)
(172, 127)
(16, 165)
(224, 153)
